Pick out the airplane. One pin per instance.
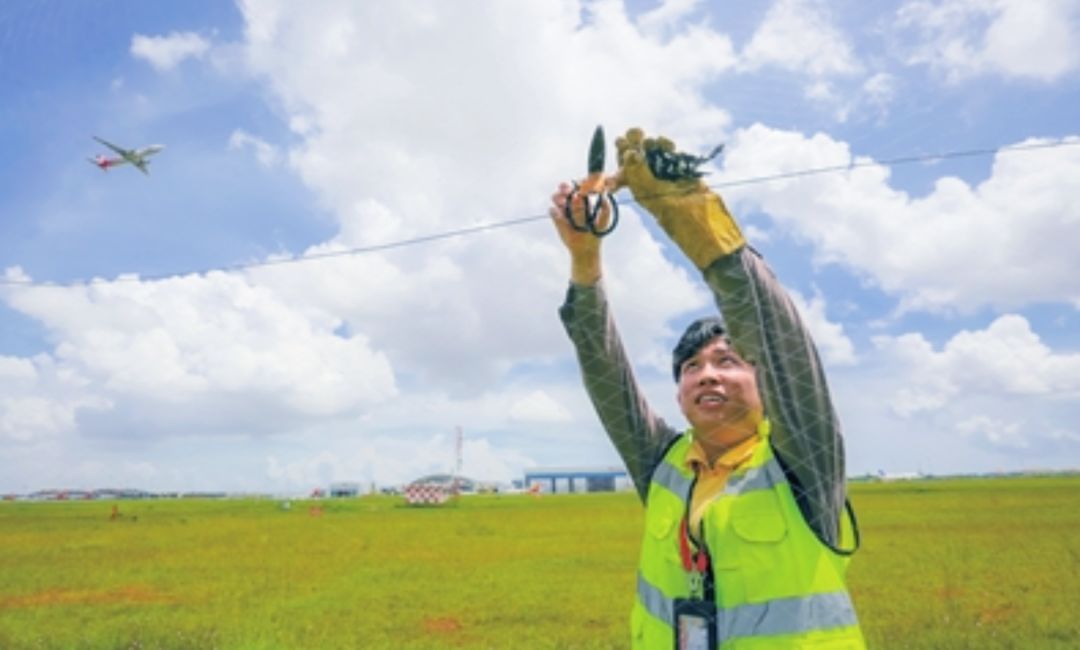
(138, 157)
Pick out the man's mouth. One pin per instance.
(711, 398)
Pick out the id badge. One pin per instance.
(695, 624)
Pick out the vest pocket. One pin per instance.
(661, 524)
(756, 517)
(662, 527)
(759, 533)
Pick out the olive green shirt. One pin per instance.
(766, 330)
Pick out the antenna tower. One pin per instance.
(458, 443)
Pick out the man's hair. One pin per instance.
(696, 336)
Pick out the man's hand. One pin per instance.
(689, 212)
(584, 247)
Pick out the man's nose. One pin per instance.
(709, 375)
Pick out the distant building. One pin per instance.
(120, 493)
(578, 479)
(344, 489)
(882, 475)
(448, 481)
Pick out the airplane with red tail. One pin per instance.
(140, 158)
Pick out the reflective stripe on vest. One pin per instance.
(771, 618)
(756, 478)
(765, 477)
(668, 476)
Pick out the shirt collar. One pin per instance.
(696, 458)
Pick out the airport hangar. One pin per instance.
(578, 479)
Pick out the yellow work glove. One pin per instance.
(689, 212)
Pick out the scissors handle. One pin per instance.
(592, 212)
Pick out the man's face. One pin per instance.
(718, 390)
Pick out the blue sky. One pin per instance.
(144, 343)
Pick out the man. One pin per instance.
(747, 526)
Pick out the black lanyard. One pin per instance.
(695, 556)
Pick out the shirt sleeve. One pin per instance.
(638, 434)
(765, 328)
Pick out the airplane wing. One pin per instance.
(120, 150)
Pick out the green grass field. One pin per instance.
(945, 564)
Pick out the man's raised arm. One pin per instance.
(637, 433)
(763, 325)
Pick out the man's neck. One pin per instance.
(716, 442)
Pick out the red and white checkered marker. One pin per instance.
(426, 493)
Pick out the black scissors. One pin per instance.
(592, 189)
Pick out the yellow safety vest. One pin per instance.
(777, 586)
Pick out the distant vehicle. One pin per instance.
(138, 157)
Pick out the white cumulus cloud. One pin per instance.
(188, 351)
(1007, 241)
(538, 406)
(798, 35)
(266, 153)
(1007, 359)
(1022, 39)
(166, 52)
(829, 337)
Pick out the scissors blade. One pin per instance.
(596, 151)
